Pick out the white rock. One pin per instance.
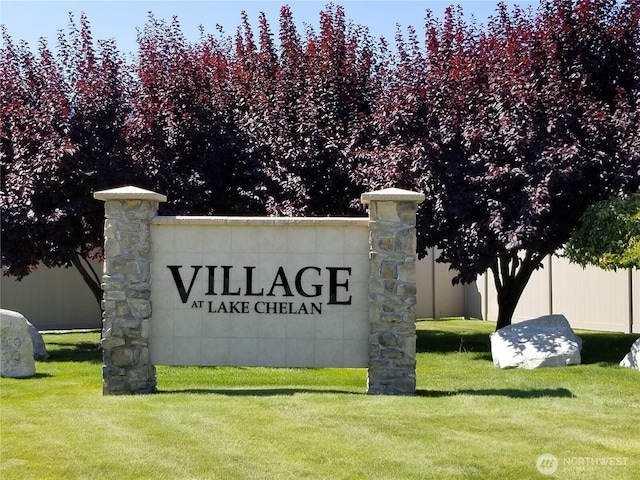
(16, 346)
(39, 347)
(632, 359)
(546, 341)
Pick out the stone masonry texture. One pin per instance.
(126, 292)
(392, 291)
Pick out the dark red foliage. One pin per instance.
(182, 134)
(61, 132)
(512, 131)
(303, 110)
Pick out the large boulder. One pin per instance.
(16, 346)
(39, 348)
(632, 359)
(546, 341)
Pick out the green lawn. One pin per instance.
(469, 419)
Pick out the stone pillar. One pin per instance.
(392, 291)
(126, 284)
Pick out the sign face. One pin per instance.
(260, 292)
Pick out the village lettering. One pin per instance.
(315, 277)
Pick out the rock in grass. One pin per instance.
(546, 341)
(39, 347)
(632, 359)
(16, 346)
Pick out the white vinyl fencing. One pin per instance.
(590, 298)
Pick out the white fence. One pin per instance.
(590, 298)
(53, 298)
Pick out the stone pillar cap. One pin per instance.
(392, 195)
(129, 193)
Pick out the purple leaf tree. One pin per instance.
(512, 131)
(62, 123)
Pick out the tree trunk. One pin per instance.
(511, 275)
(506, 307)
(89, 276)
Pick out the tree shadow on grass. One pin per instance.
(36, 376)
(74, 352)
(441, 341)
(502, 392)
(604, 348)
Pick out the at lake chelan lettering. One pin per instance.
(219, 280)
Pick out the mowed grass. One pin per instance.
(468, 420)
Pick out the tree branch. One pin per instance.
(96, 277)
(504, 269)
(496, 275)
(93, 285)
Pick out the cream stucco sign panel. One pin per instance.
(260, 292)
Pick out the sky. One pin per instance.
(30, 20)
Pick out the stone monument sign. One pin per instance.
(258, 291)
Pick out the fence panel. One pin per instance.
(437, 297)
(590, 298)
(53, 298)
